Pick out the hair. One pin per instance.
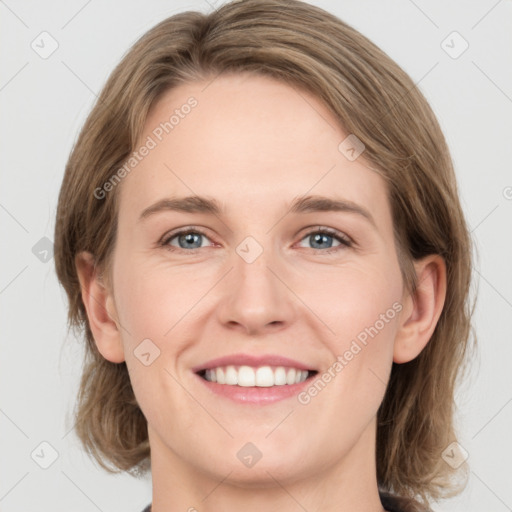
(374, 99)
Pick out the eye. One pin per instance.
(187, 239)
(321, 238)
(190, 240)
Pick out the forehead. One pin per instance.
(247, 140)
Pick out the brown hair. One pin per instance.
(374, 99)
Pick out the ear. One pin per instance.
(422, 309)
(100, 307)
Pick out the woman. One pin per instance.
(228, 349)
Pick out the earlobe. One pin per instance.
(100, 307)
(421, 310)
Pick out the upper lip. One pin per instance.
(252, 360)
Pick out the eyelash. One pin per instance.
(345, 241)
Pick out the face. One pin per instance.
(271, 281)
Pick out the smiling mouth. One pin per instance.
(262, 376)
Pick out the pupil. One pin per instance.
(190, 238)
(318, 238)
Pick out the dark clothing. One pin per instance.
(398, 504)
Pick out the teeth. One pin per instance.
(263, 376)
(246, 376)
(279, 376)
(231, 375)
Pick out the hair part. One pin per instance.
(374, 99)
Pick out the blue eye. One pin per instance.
(187, 240)
(324, 236)
(190, 240)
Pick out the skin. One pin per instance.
(256, 144)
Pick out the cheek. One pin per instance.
(151, 309)
(150, 304)
(361, 308)
(355, 382)
(355, 301)
(158, 309)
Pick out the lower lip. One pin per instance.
(255, 395)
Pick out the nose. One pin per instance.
(257, 298)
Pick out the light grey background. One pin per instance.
(44, 102)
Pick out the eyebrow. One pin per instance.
(207, 205)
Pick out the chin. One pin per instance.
(260, 464)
